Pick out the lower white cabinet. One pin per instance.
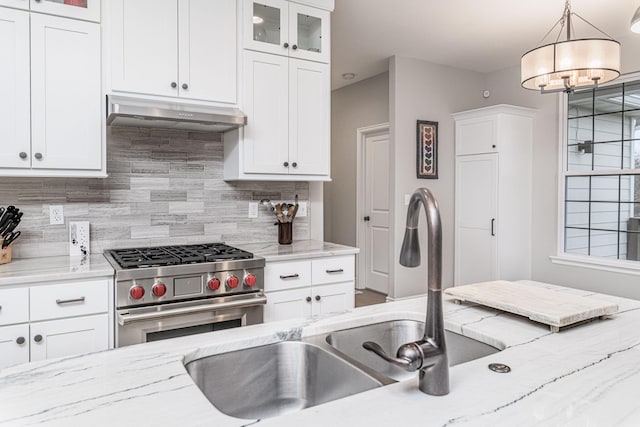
(302, 289)
(41, 322)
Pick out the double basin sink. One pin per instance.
(288, 376)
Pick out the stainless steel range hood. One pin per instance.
(125, 111)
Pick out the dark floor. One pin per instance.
(369, 297)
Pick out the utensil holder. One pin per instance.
(285, 233)
(5, 254)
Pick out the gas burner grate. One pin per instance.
(176, 255)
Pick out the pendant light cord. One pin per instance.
(566, 20)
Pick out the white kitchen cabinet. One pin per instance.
(287, 136)
(306, 288)
(14, 345)
(285, 28)
(15, 109)
(493, 194)
(66, 96)
(88, 10)
(188, 49)
(66, 337)
(17, 4)
(42, 321)
(51, 106)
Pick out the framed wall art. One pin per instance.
(427, 137)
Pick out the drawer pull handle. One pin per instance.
(339, 270)
(69, 301)
(290, 276)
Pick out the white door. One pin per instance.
(144, 46)
(265, 26)
(59, 338)
(208, 50)
(283, 305)
(266, 104)
(66, 95)
(329, 299)
(309, 118)
(376, 212)
(19, 4)
(309, 33)
(14, 345)
(88, 10)
(15, 112)
(476, 218)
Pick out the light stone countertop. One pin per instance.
(588, 375)
(48, 269)
(302, 249)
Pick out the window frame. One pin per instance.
(575, 260)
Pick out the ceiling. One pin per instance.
(478, 35)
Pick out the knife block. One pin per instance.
(5, 254)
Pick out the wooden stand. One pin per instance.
(5, 254)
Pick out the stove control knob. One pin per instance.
(250, 280)
(136, 292)
(232, 282)
(214, 284)
(159, 289)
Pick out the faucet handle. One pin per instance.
(409, 356)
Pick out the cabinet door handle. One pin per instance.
(20, 340)
(308, 299)
(23, 155)
(37, 338)
(69, 301)
(493, 223)
(294, 164)
(286, 164)
(174, 85)
(286, 45)
(317, 297)
(38, 156)
(290, 276)
(339, 270)
(185, 86)
(294, 47)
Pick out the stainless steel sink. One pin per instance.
(275, 379)
(391, 335)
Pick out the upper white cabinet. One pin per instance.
(176, 48)
(493, 192)
(285, 28)
(51, 106)
(88, 10)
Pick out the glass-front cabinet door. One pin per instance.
(88, 10)
(309, 33)
(266, 26)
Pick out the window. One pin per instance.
(601, 173)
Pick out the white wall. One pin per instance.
(424, 91)
(358, 105)
(505, 88)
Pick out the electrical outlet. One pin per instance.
(79, 238)
(253, 210)
(302, 209)
(56, 215)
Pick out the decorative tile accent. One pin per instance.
(164, 187)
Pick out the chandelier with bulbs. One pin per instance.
(574, 63)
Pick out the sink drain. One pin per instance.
(500, 368)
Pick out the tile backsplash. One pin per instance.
(164, 187)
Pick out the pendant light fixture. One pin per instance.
(573, 63)
(635, 21)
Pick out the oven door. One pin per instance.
(146, 324)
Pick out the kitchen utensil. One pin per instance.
(12, 224)
(285, 211)
(9, 238)
(294, 211)
(4, 223)
(279, 212)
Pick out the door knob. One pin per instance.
(286, 164)
(286, 45)
(185, 86)
(308, 299)
(38, 156)
(367, 218)
(174, 85)
(294, 47)
(37, 338)
(20, 340)
(318, 297)
(23, 155)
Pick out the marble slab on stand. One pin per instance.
(540, 305)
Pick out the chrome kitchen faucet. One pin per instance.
(429, 354)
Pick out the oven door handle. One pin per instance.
(125, 319)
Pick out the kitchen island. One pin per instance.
(582, 376)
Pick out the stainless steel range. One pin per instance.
(172, 291)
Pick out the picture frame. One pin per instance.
(427, 155)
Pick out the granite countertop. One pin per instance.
(47, 269)
(303, 249)
(586, 375)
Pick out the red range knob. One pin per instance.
(136, 292)
(232, 282)
(250, 280)
(214, 284)
(159, 289)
